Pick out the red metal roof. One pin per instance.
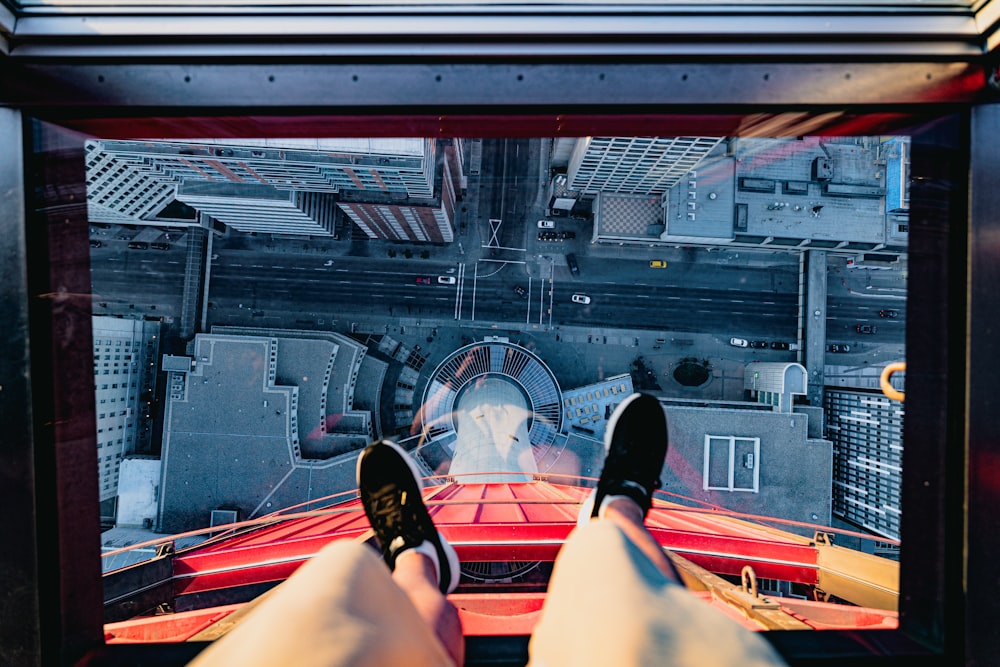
(495, 522)
(492, 522)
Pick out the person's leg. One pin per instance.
(422, 562)
(629, 517)
(614, 596)
(608, 603)
(341, 608)
(416, 574)
(635, 443)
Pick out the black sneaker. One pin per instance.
(636, 444)
(391, 491)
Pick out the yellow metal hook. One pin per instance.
(887, 388)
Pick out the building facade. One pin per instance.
(124, 379)
(284, 186)
(634, 165)
(866, 430)
(263, 209)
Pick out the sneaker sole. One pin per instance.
(443, 547)
(608, 436)
(609, 430)
(417, 477)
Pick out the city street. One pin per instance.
(499, 276)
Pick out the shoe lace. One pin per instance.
(396, 523)
(387, 508)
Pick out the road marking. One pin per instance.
(503, 247)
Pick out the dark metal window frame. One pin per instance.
(49, 492)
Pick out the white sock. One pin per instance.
(588, 507)
(607, 500)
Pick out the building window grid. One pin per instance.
(867, 461)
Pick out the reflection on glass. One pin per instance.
(265, 308)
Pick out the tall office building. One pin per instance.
(403, 166)
(118, 193)
(125, 351)
(281, 186)
(431, 221)
(866, 430)
(263, 209)
(634, 165)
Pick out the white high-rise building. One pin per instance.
(634, 165)
(399, 189)
(118, 193)
(401, 166)
(123, 352)
(263, 209)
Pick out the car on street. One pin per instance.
(866, 329)
(520, 291)
(839, 347)
(546, 224)
(580, 298)
(94, 243)
(739, 342)
(759, 344)
(423, 280)
(446, 280)
(138, 245)
(888, 313)
(574, 268)
(160, 246)
(781, 345)
(657, 264)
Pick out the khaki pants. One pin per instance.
(607, 604)
(340, 608)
